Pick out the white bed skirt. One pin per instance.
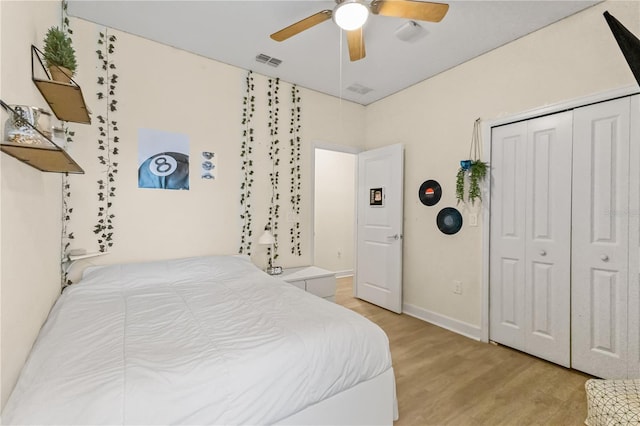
(369, 403)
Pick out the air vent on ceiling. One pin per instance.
(269, 60)
(359, 89)
(262, 58)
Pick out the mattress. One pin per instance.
(207, 340)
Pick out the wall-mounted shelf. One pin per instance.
(73, 258)
(65, 100)
(45, 156)
(70, 260)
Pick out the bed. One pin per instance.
(206, 340)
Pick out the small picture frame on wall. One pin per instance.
(376, 197)
(208, 165)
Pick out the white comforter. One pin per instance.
(210, 340)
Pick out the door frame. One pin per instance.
(316, 144)
(486, 127)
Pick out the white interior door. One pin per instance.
(600, 238)
(379, 228)
(530, 236)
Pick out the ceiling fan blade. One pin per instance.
(409, 9)
(301, 25)
(356, 45)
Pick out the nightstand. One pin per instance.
(315, 280)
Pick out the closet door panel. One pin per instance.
(548, 238)
(600, 238)
(507, 221)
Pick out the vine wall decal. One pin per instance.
(107, 140)
(246, 155)
(274, 156)
(66, 235)
(295, 143)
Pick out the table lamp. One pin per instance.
(267, 239)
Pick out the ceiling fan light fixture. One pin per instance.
(350, 15)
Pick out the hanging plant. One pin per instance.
(477, 173)
(474, 168)
(274, 175)
(107, 140)
(295, 143)
(246, 151)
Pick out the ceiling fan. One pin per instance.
(350, 15)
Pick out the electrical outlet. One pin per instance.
(457, 287)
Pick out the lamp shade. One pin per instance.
(266, 238)
(350, 15)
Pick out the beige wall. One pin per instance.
(160, 88)
(163, 88)
(334, 217)
(30, 200)
(166, 89)
(434, 119)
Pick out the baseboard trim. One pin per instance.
(345, 273)
(468, 330)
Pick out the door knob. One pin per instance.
(394, 237)
(604, 258)
(543, 253)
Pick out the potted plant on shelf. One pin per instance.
(473, 167)
(59, 55)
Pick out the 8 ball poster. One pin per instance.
(163, 160)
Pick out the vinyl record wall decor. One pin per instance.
(449, 220)
(430, 192)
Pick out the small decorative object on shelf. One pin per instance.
(24, 127)
(59, 55)
(472, 167)
(23, 140)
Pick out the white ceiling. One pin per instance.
(234, 32)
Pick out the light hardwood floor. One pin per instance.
(443, 378)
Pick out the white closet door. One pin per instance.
(600, 239)
(507, 234)
(634, 241)
(530, 250)
(548, 238)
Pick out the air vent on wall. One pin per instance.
(359, 89)
(269, 60)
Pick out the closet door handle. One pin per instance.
(543, 252)
(604, 258)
